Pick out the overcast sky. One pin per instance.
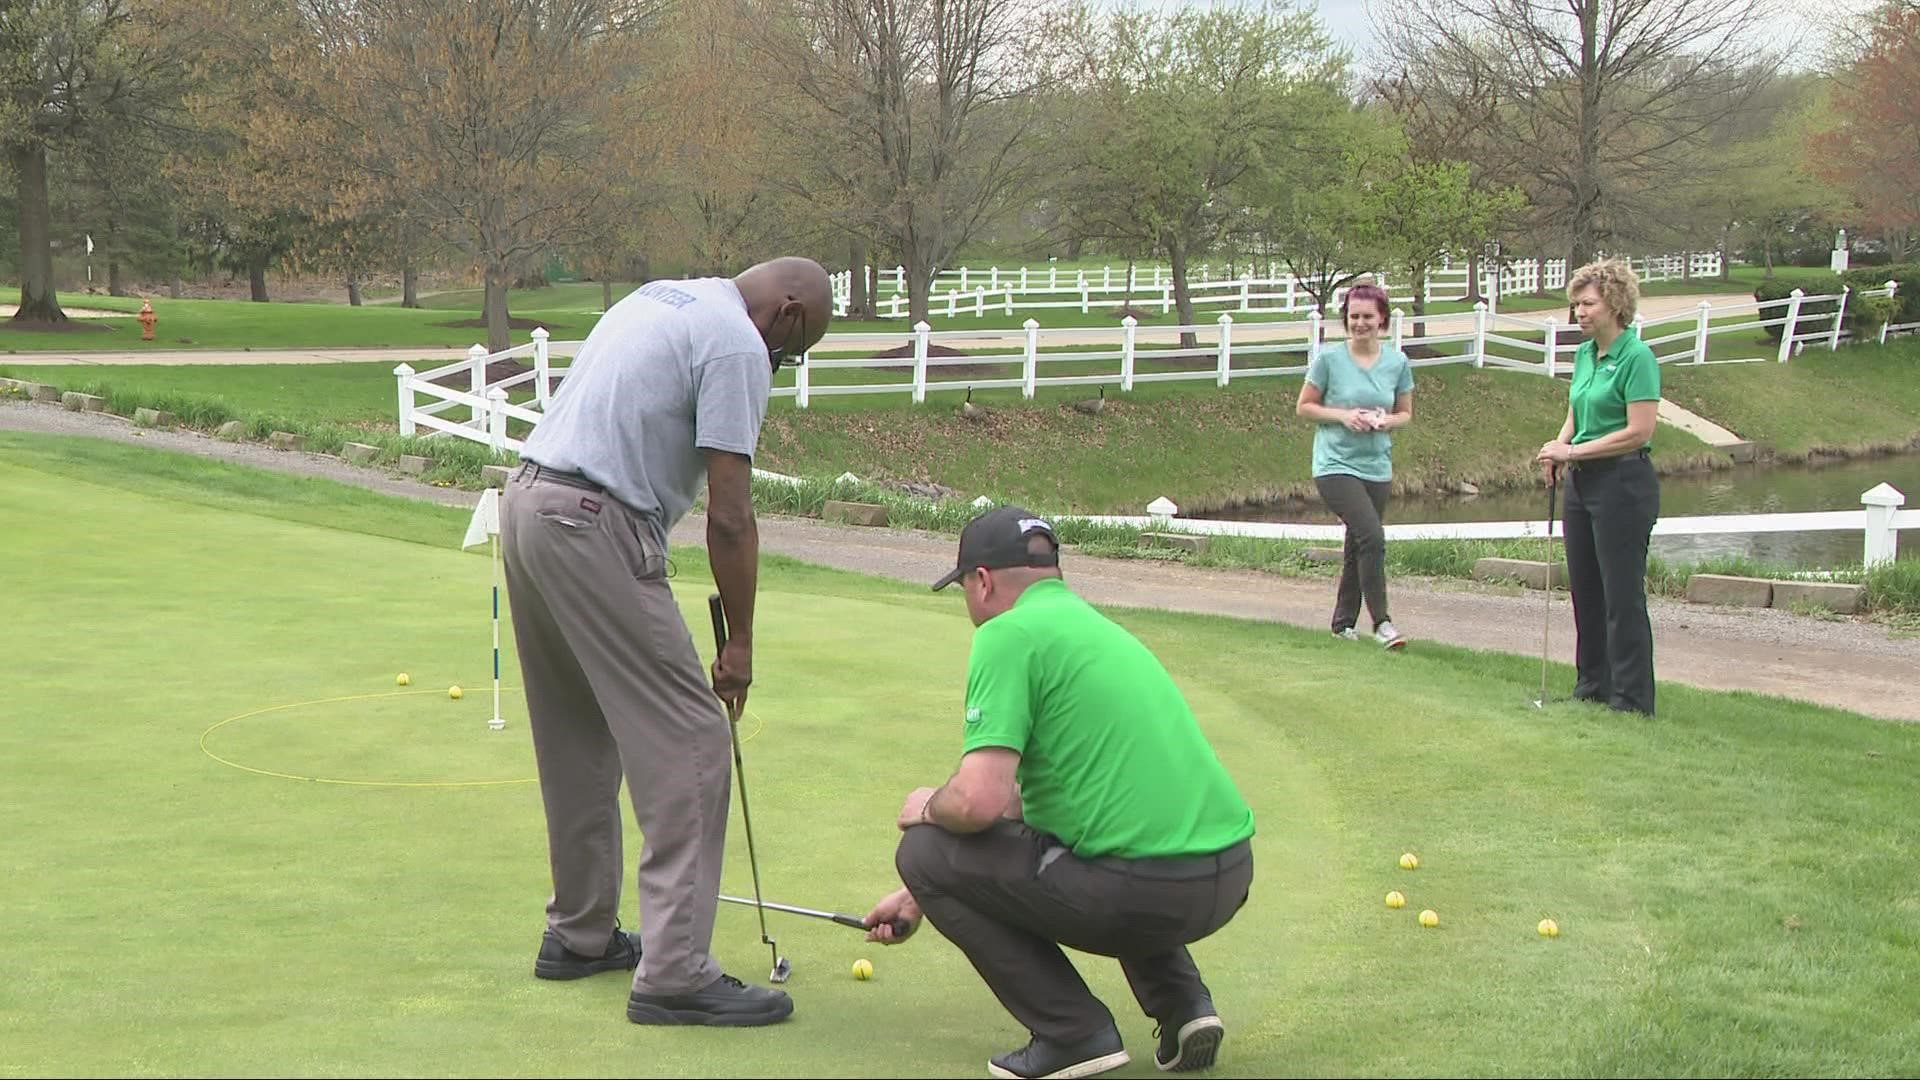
(1349, 22)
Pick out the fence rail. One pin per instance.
(1879, 520)
(968, 291)
(1491, 339)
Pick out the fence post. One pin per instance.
(497, 419)
(1290, 284)
(1480, 333)
(1053, 275)
(899, 278)
(1033, 359)
(403, 375)
(1399, 327)
(1023, 279)
(1128, 327)
(477, 382)
(1883, 540)
(1225, 370)
(1106, 281)
(1553, 346)
(920, 332)
(963, 279)
(1893, 293)
(1313, 336)
(953, 307)
(993, 277)
(1166, 297)
(540, 365)
(1009, 299)
(802, 384)
(1085, 300)
(1839, 316)
(1787, 328)
(979, 301)
(1246, 285)
(1700, 330)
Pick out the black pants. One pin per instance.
(1009, 897)
(1362, 505)
(1611, 506)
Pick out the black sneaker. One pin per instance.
(1191, 1043)
(726, 1002)
(556, 961)
(1043, 1057)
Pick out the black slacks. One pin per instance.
(1611, 505)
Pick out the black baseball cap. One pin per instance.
(998, 539)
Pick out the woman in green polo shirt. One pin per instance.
(1358, 391)
(1612, 492)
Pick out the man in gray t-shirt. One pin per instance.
(667, 394)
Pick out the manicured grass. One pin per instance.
(1854, 398)
(341, 393)
(1734, 880)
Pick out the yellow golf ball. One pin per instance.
(454, 692)
(863, 969)
(1395, 900)
(1429, 917)
(1408, 862)
(401, 679)
(1549, 928)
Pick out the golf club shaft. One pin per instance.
(719, 616)
(901, 927)
(1546, 625)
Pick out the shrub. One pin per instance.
(1811, 285)
(1907, 295)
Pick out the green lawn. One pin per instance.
(567, 311)
(1734, 880)
(1854, 397)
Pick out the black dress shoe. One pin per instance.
(556, 961)
(725, 1002)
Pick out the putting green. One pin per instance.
(1734, 882)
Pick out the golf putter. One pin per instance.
(1546, 626)
(781, 969)
(901, 927)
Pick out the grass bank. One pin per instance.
(1856, 400)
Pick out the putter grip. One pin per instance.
(719, 615)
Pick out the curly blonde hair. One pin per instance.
(1617, 284)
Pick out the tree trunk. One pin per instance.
(1473, 279)
(1420, 301)
(1586, 186)
(499, 332)
(257, 279)
(1726, 264)
(1075, 245)
(606, 294)
(353, 291)
(177, 288)
(1126, 300)
(116, 282)
(1182, 300)
(859, 306)
(38, 302)
(409, 287)
(1767, 245)
(919, 284)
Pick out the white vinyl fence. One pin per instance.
(956, 293)
(481, 411)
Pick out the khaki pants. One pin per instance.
(615, 687)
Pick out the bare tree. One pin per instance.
(1592, 105)
(913, 121)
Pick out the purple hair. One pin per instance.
(1364, 292)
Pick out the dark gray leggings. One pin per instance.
(1361, 504)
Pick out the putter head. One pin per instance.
(781, 969)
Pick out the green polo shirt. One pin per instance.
(1112, 761)
(1603, 386)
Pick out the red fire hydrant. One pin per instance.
(147, 319)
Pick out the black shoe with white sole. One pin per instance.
(1190, 1043)
(725, 1002)
(1045, 1058)
(556, 961)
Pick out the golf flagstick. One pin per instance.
(780, 966)
(497, 723)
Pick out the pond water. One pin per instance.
(1744, 489)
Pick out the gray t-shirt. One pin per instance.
(673, 369)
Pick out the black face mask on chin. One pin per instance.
(777, 354)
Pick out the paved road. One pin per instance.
(1851, 664)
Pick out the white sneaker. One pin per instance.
(1388, 636)
(1349, 634)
